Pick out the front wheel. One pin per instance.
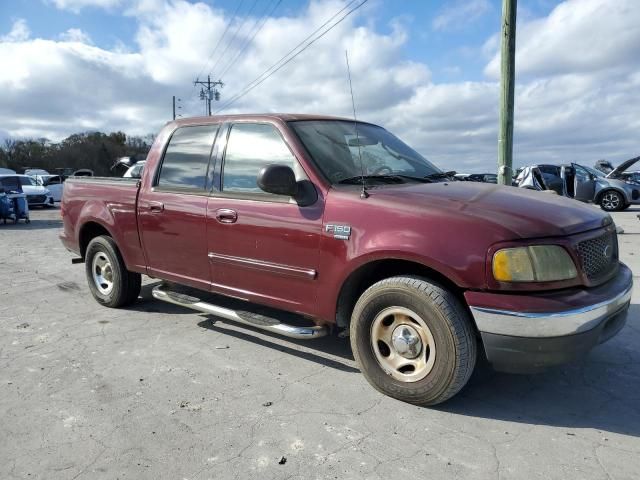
(111, 284)
(413, 340)
(612, 201)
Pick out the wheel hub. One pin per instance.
(403, 344)
(406, 341)
(102, 273)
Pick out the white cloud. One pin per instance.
(460, 13)
(566, 108)
(76, 35)
(77, 5)
(578, 36)
(19, 32)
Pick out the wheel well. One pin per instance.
(370, 273)
(88, 232)
(610, 189)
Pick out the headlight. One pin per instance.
(540, 263)
(47, 192)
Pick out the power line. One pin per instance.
(276, 67)
(235, 34)
(259, 26)
(297, 46)
(215, 49)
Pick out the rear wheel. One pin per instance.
(111, 284)
(612, 201)
(413, 340)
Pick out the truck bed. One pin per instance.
(109, 202)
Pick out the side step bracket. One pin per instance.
(256, 320)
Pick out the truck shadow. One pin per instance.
(329, 351)
(601, 392)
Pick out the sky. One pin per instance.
(426, 70)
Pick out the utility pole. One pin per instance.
(507, 81)
(208, 91)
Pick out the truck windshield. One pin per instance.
(336, 149)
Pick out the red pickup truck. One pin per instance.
(307, 225)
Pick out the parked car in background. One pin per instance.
(614, 191)
(477, 177)
(37, 195)
(53, 183)
(135, 171)
(605, 166)
(7, 171)
(83, 172)
(33, 172)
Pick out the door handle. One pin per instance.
(226, 215)
(156, 207)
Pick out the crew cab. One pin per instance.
(308, 225)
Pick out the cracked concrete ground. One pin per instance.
(156, 391)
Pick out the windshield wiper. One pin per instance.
(439, 175)
(391, 178)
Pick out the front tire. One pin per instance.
(111, 284)
(612, 201)
(413, 340)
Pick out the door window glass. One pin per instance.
(187, 157)
(581, 174)
(250, 147)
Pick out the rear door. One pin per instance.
(585, 184)
(172, 213)
(262, 247)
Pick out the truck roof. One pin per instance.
(285, 117)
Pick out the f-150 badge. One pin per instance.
(341, 232)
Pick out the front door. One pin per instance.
(585, 184)
(262, 247)
(172, 212)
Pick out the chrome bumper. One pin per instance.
(544, 325)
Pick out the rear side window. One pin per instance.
(187, 157)
(250, 147)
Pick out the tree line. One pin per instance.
(96, 151)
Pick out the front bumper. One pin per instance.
(40, 200)
(525, 340)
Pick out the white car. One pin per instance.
(32, 172)
(135, 171)
(37, 195)
(53, 183)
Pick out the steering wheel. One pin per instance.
(382, 170)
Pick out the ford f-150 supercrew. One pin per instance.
(307, 225)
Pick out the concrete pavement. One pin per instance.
(156, 391)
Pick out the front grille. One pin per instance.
(599, 255)
(36, 198)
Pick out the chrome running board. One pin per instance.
(252, 319)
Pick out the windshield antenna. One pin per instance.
(364, 193)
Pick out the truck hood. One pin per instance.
(517, 213)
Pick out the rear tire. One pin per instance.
(413, 340)
(111, 284)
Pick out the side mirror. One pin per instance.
(278, 179)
